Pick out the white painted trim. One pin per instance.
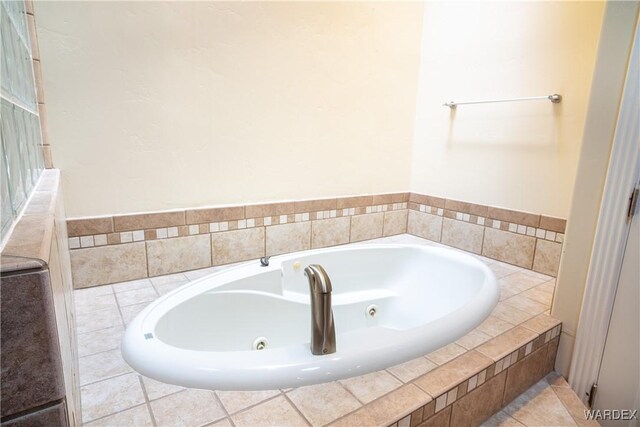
(611, 236)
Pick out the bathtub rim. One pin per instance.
(239, 367)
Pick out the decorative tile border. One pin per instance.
(127, 247)
(528, 240)
(79, 240)
(524, 239)
(540, 233)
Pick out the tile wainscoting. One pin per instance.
(524, 239)
(127, 247)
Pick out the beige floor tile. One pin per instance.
(222, 423)
(539, 406)
(360, 418)
(134, 417)
(165, 288)
(501, 419)
(473, 339)
(574, 406)
(101, 366)
(99, 319)
(89, 293)
(131, 311)
(507, 343)
(544, 277)
(371, 386)
(506, 293)
(549, 286)
(98, 341)
(168, 283)
(446, 353)
(501, 269)
(541, 323)
(494, 326)
(539, 295)
(274, 412)
(397, 404)
(197, 274)
(110, 396)
(156, 389)
(235, 401)
(556, 380)
(520, 282)
(187, 408)
(510, 314)
(136, 296)
(525, 304)
(409, 239)
(486, 260)
(91, 305)
(323, 403)
(132, 285)
(453, 373)
(412, 369)
(169, 278)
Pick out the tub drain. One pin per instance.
(372, 310)
(260, 343)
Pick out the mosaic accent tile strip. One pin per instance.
(517, 238)
(540, 233)
(444, 401)
(89, 241)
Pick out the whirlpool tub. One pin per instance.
(248, 327)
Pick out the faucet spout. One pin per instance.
(323, 333)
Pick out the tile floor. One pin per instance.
(550, 402)
(114, 395)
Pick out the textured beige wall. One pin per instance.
(159, 105)
(515, 155)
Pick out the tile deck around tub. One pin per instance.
(114, 394)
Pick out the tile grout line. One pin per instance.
(553, 388)
(112, 413)
(146, 400)
(295, 407)
(224, 409)
(253, 405)
(350, 393)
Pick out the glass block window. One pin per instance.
(21, 161)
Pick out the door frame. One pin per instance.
(612, 230)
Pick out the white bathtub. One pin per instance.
(202, 335)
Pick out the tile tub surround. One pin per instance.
(524, 239)
(509, 352)
(126, 247)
